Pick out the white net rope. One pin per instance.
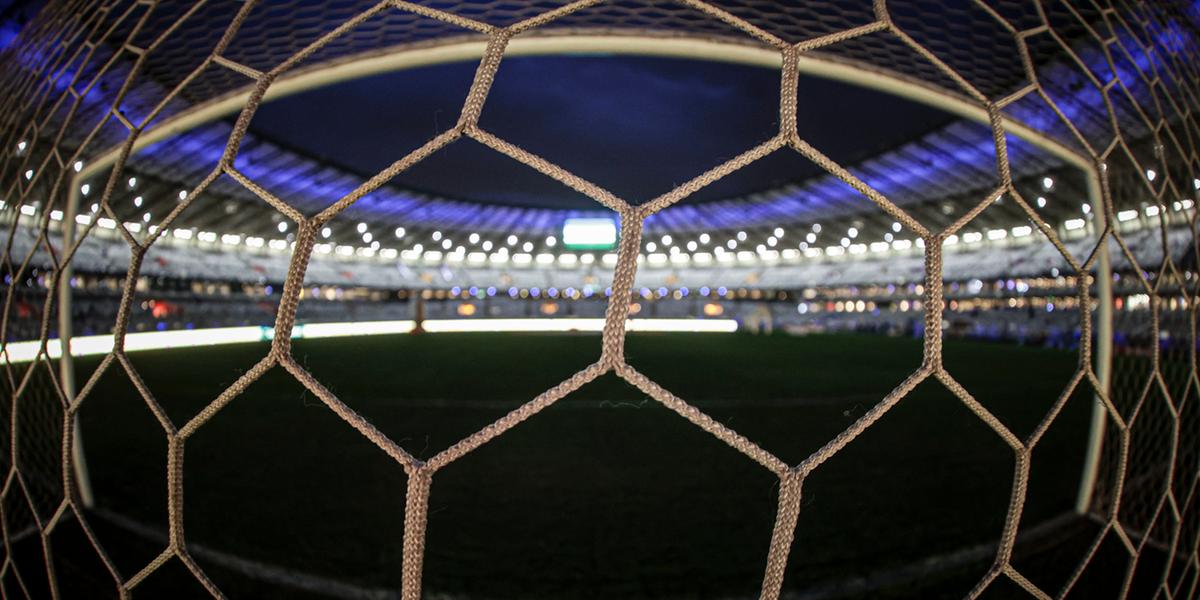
(88, 76)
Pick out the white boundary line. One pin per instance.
(96, 345)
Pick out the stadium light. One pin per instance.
(527, 247)
(473, 238)
(132, 182)
(362, 227)
(366, 238)
(666, 240)
(1047, 183)
(84, 189)
(816, 228)
(551, 241)
(21, 145)
(137, 201)
(779, 232)
(400, 232)
(29, 174)
(183, 195)
(282, 227)
(326, 232)
(1127, 215)
(651, 247)
(78, 166)
(811, 238)
(1041, 202)
(741, 236)
(896, 226)
(704, 238)
(512, 240)
(589, 233)
(852, 232)
(1151, 174)
(1075, 224)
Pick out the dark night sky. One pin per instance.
(637, 126)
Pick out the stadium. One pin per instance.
(599, 299)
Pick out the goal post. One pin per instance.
(1102, 325)
(66, 361)
(375, 63)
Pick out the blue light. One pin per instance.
(704, 291)
(535, 292)
(950, 155)
(491, 291)
(513, 292)
(473, 291)
(454, 291)
(683, 291)
(721, 291)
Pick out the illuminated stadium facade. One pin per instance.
(246, 174)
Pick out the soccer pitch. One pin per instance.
(604, 494)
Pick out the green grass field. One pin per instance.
(605, 494)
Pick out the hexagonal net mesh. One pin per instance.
(1114, 84)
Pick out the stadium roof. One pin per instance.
(586, 112)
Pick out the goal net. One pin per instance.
(1105, 90)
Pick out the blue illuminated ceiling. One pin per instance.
(638, 126)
